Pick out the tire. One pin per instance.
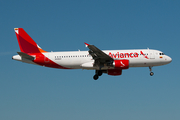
(95, 77)
(151, 73)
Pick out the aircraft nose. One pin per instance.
(168, 59)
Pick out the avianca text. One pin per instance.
(123, 55)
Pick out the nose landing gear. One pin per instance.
(151, 73)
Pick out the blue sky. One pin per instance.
(34, 92)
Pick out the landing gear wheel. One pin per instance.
(151, 73)
(96, 77)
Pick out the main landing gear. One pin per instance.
(151, 73)
(98, 73)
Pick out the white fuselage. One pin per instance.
(82, 59)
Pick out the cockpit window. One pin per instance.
(161, 54)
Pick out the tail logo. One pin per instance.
(16, 30)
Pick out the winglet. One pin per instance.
(86, 44)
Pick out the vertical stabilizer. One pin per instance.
(26, 43)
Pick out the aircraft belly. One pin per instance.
(144, 63)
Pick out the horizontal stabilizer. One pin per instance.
(24, 55)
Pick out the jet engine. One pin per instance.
(121, 64)
(118, 66)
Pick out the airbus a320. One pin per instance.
(111, 62)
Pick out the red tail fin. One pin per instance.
(26, 43)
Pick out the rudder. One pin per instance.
(26, 43)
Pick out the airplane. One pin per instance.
(111, 62)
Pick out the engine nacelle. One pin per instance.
(121, 64)
(114, 72)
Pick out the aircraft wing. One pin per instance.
(99, 56)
